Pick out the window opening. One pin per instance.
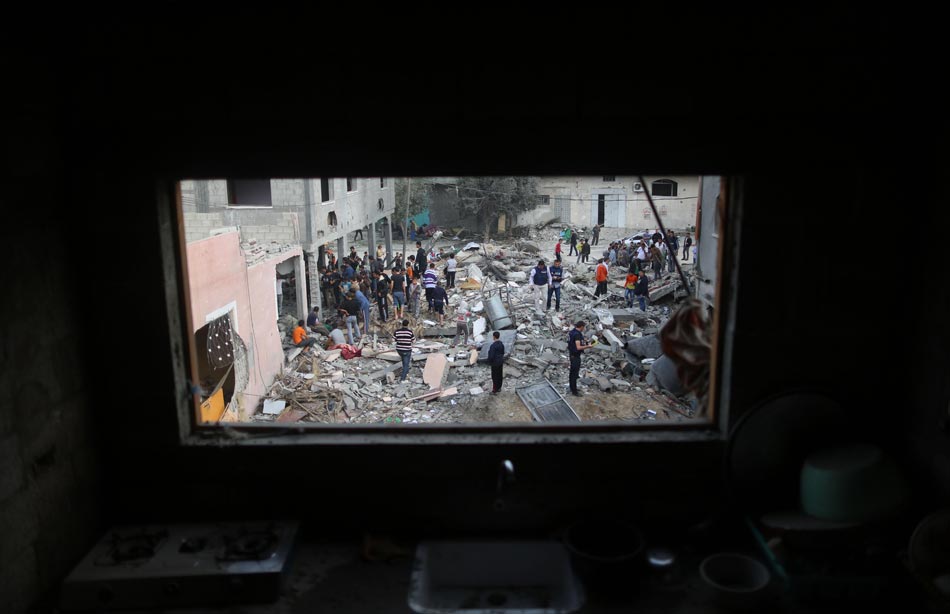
(663, 187)
(479, 235)
(249, 193)
(351, 184)
(326, 189)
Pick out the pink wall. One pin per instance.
(218, 275)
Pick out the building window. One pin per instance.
(249, 193)
(663, 187)
(382, 182)
(545, 199)
(610, 178)
(381, 204)
(326, 190)
(331, 219)
(351, 184)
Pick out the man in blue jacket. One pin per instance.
(496, 358)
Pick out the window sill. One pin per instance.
(250, 206)
(431, 435)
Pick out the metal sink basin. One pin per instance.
(478, 577)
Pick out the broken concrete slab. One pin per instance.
(613, 340)
(439, 332)
(663, 375)
(274, 406)
(334, 354)
(647, 346)
(434, 371)
(604, 384)
(475, 274)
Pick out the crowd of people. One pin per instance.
(349, 288)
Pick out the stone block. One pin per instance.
(645, 347)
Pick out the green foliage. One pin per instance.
(417, 202)
(489, 197)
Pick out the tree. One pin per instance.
(490, 197)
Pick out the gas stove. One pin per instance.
(181, 565)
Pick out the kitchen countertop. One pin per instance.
(333, 577)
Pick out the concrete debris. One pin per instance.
(645, 347)
(274, 407)
(317, 386)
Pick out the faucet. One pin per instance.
(506, 475)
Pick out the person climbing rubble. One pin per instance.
(404, 338)
(429, 279)
(629, 286)
(539, 283)
(348, 311)
(439, 299)
(399, 291)
(555, 275)
(462, 318)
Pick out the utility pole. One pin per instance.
(405, 228)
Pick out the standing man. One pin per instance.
(365, 306)
(596, 232)
(335, 280)
(382, 296)
(439, 299)
(348, 311)
(280, 294)
(585, 251)
(576, 347)
(420, 259)
(415, 292)
(539, 283)
(429, 280)
(359, 231)
(496, 358)
(557, 250)
(686, 245)
(399, 291)
(450, 266)
(573, 249)
(404, 338)
(556, 273)
(601, 277)
(642, 291)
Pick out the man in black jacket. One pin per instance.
(420, 259)
(496, 358)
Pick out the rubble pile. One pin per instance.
(625, 376)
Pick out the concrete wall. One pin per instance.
(218, 276)
(205, 209)
(708, 241)
(633, 210)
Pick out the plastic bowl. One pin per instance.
(851, 483)
(736, 580)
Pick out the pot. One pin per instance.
(606, 555)
(736, 580)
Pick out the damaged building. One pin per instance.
(254, 248)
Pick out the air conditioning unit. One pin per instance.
(638, 187)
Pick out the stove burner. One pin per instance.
(249, 545)
(135, 548)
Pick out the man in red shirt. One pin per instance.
(601, 277)
(557, 250)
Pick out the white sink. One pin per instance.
(479, 577)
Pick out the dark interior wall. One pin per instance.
(50, 477)
(87, 427)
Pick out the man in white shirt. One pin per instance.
(642, 254)
(450, 267)
(538, 281)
